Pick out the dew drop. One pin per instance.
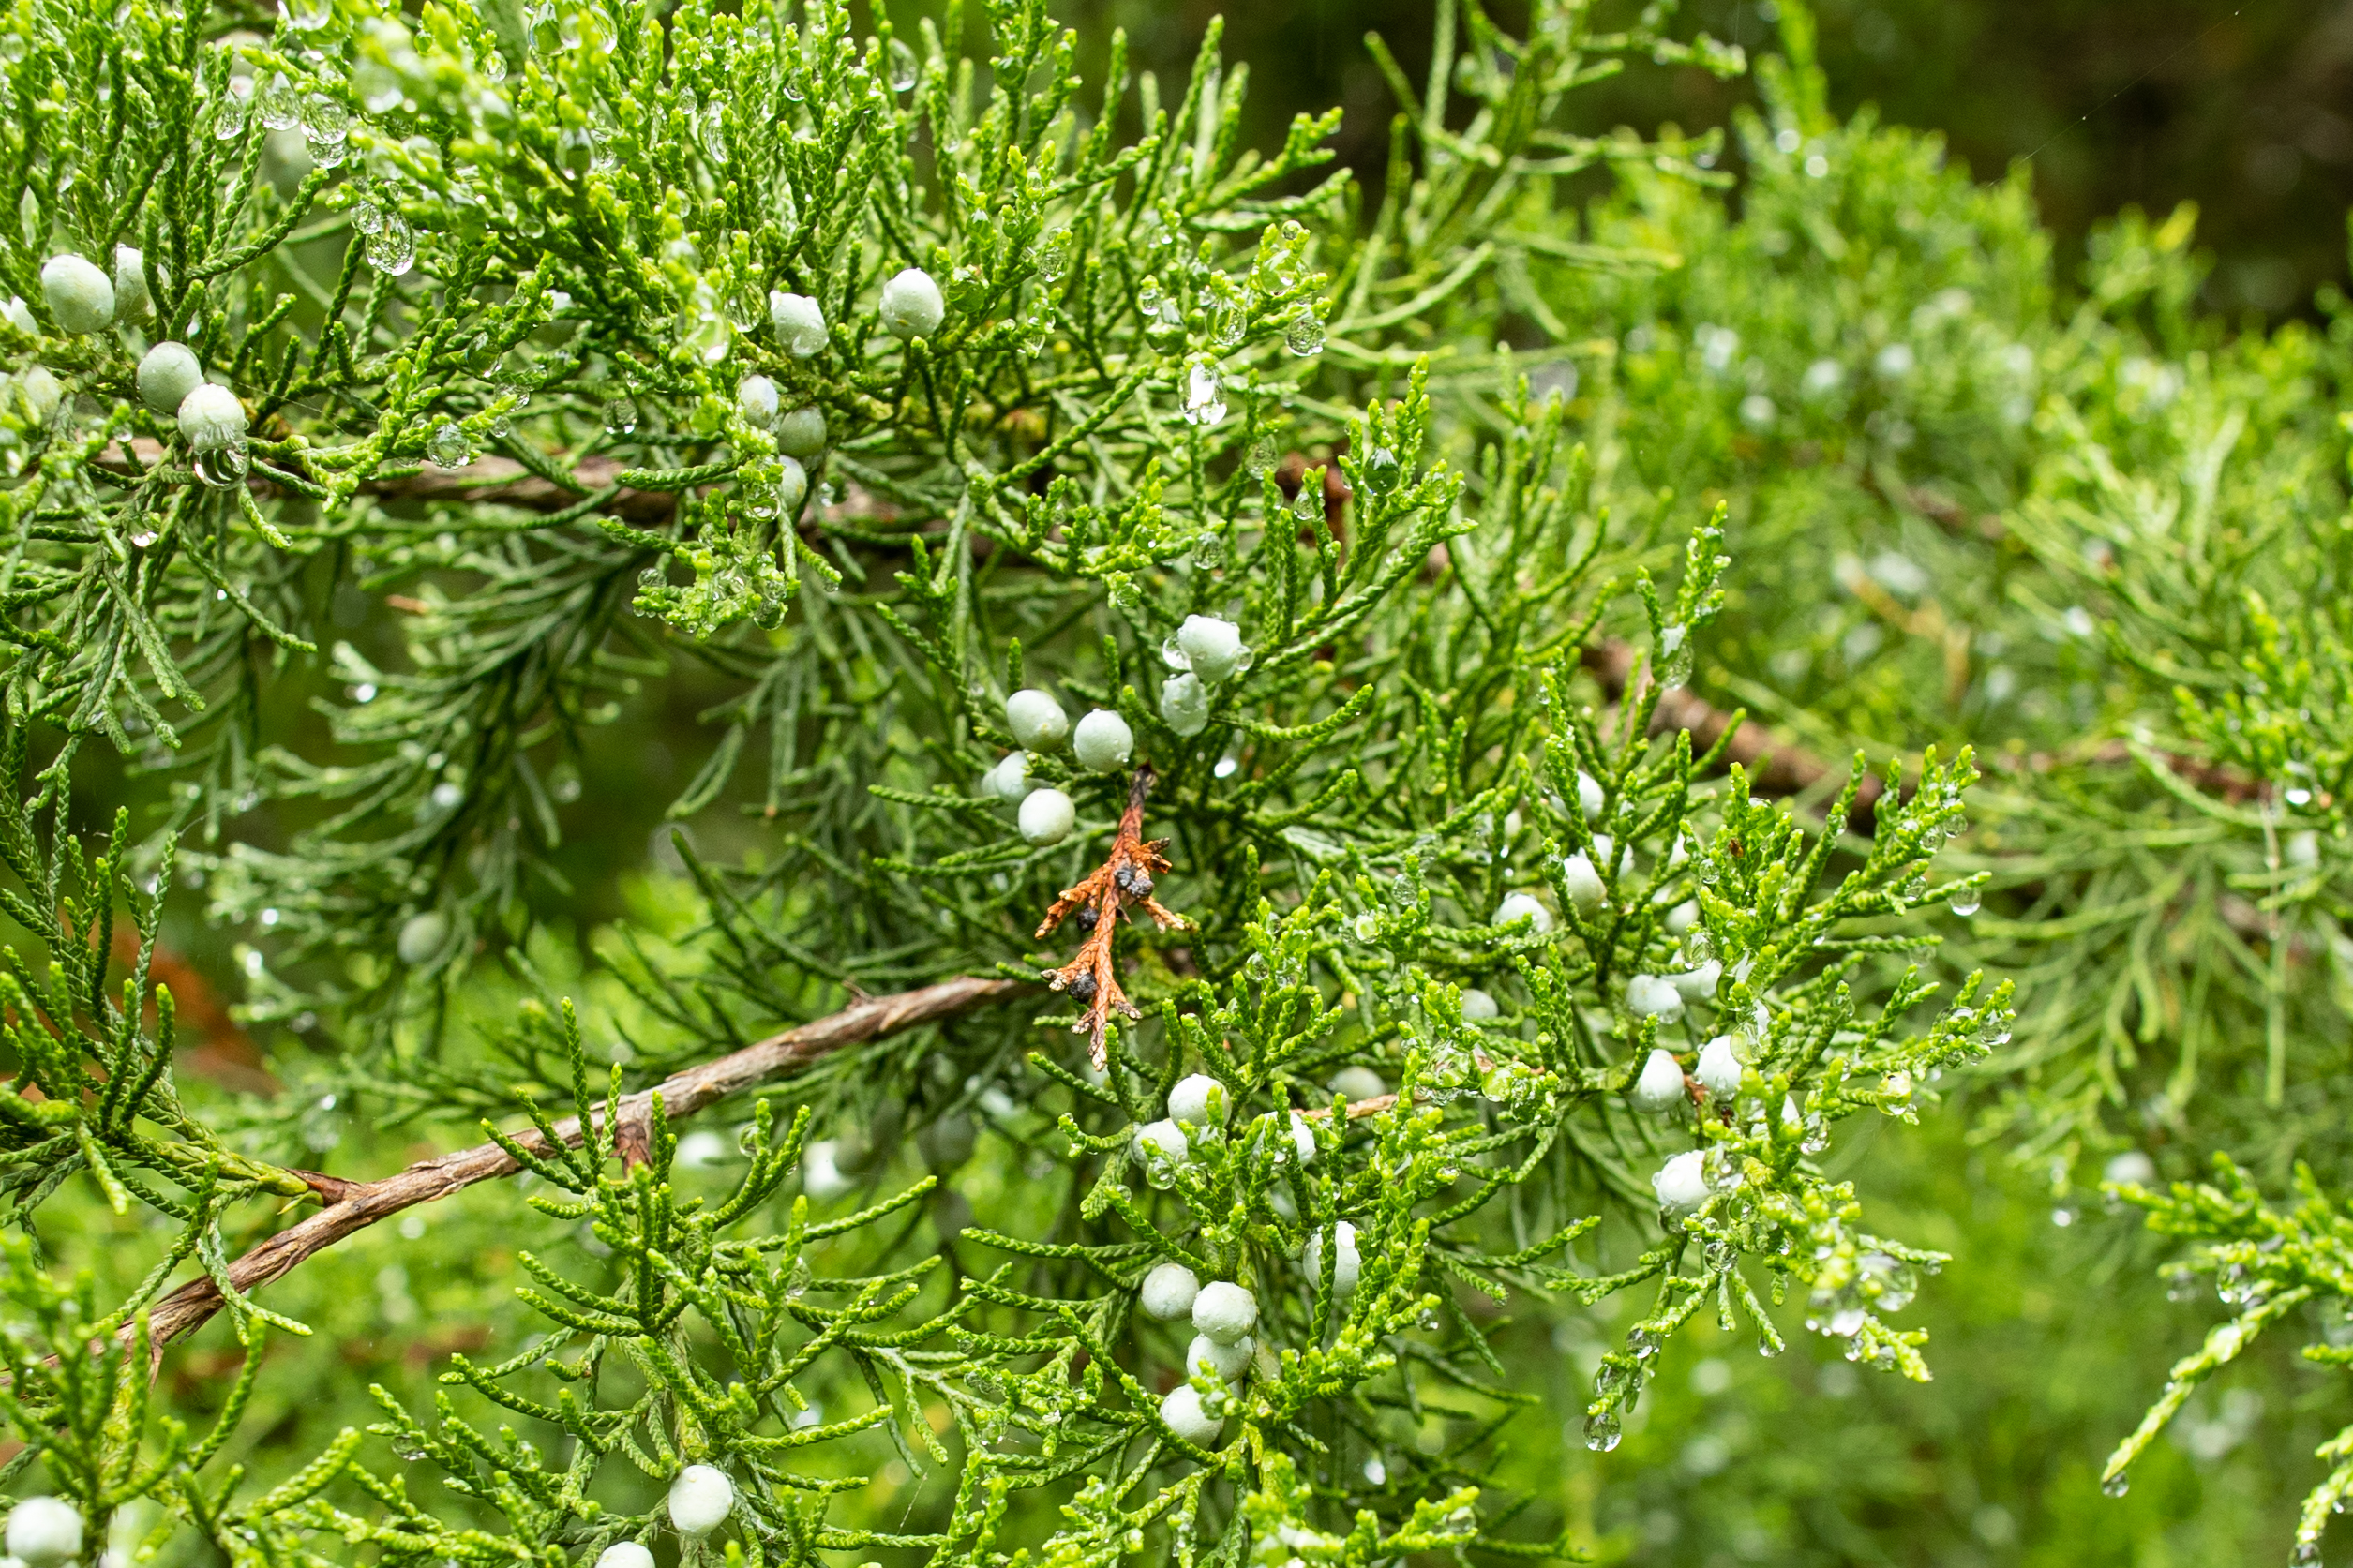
(1054, 254)
(229, 109)
(1601, 1432)
(1674, 656)
(222, 467)
(392, 247)
(326, 130)
(1229, 323)
(1305, 335)
(903, 66)
(620, 416)
(1965, 902)
(448, 447)
(1205, 399)
(280, 105)
(2117, 1485)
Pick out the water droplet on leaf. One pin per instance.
(222, 467)
(280, 106)
(392, 247)
(448, 446)
(1054, 254)
(1305, 335)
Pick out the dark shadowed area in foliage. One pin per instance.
(2245, 110)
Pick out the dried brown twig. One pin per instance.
(353, 1206)
(1124, 879)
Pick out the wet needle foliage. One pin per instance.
(1317, 831)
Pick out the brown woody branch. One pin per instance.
(499, 481)
(353, 1206)
(1779, 767)
(1776, 766)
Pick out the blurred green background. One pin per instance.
(2246, 110)
(2052, 1349)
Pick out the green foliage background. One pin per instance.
(2092, 519)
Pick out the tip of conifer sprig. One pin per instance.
(1124, 880)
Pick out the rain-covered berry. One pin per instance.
(1651, 997)
(1303, 1138)
(1347, 1267)
(800, 433)
(800, 322)
(1163, 1139)
(1198, 1099)
(1046, 816)
(1185, 704)
(1181, 1410)
(1224, 1311)
(1680, 1183)
(20, 315)
(700, 1500)
(1478, 1005)
(1212, 648)
(210, 417)
(792, 487)
(624, 1554)
(80, 295)
(1168, 1293)
(167, 374)
(1718, 1072)
(821, 1174)
(911, 305)
(1037, 721)
(1583, 884)
(1590, 799)
(1009, 781)
(1699, 985)
(1224, 1362)
(42, 392)
(44, 1532)
(1102, 742)
(1358, 1083)
(130, 283)
(755, 400)
(1661, 1086)
(1522, 906)
(422, 936)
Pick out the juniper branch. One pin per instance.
(355, 1206)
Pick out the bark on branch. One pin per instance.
(353, 1206)
(1776, 766)
(1780, 767)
